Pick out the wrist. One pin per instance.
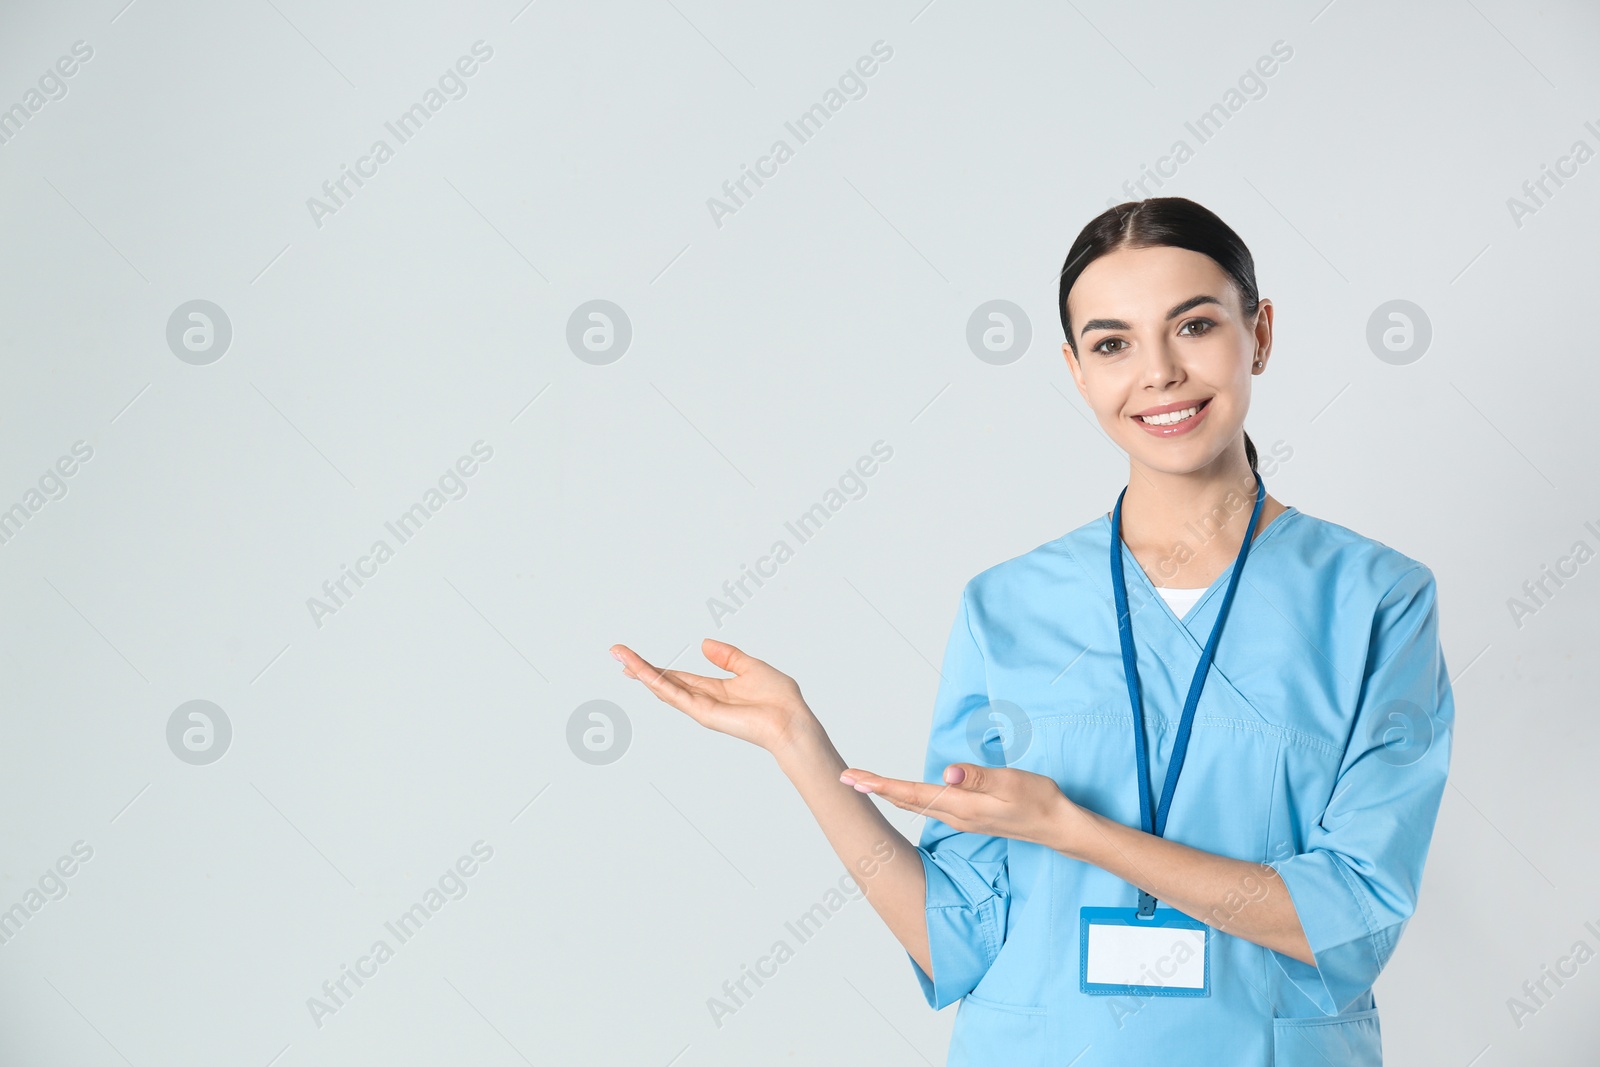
(804, 743)
(1072, 828)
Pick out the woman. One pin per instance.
(1089, 693)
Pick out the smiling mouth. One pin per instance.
(1173, 418)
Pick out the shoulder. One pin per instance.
(1394, 595)
(1358, 563)
(1063, 567)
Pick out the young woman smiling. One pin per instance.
(1301, 753)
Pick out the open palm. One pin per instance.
(759, 704)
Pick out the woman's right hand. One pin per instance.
(759, 704)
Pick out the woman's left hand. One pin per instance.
(998, 801)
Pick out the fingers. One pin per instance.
(955, 803)
(627, 657)
(966, 776)
(636, 666)
(724, 655)
(661, 683)
(913, 796)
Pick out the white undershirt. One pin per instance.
(1181, 600)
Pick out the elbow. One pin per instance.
(966, 921)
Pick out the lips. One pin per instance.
(1176, 406)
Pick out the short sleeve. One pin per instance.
(967, 878)
(1355, 886)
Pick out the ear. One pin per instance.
(1263, 330)
(1076, 368)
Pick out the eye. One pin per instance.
(1101, 347)
(1207, 323)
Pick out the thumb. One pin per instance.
(726, 656)
(967, 776)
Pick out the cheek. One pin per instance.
(1234, 366)
(1107, 399)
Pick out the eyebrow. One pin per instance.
(1177, 309)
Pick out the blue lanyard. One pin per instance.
(1130, 670)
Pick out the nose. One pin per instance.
(1160, 368)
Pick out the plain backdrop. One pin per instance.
(635, 861)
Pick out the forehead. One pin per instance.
(1143, 283)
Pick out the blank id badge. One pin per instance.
(1166, 955)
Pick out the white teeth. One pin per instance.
(1170, 417)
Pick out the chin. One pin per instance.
(1174, 458)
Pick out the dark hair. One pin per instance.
(1162, 220)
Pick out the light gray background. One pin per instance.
(768, 355)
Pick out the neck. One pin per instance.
(1200, 514)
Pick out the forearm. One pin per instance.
(1238, 897)
(886, 866)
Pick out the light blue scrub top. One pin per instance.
(1320, 746)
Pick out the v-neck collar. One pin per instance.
(1220, 582)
